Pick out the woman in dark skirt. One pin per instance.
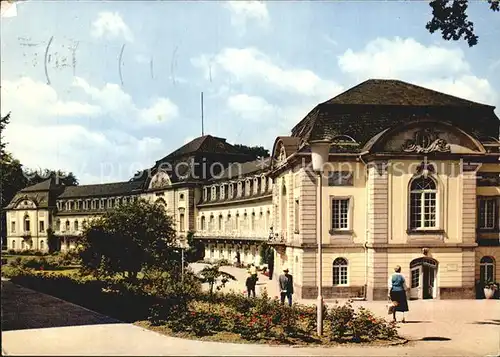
(397, 293)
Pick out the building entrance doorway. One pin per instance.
(423, 278)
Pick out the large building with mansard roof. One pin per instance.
(410, 177)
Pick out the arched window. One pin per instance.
(58, 225)
(487, 269)
(42, 245)
(340, 271)
(76, 225)
(13, 246)
(27, 227)
(203, 223)
(423, 203)
(67, 225)
(84, 223)
(220, 222)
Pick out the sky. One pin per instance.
(103, 89)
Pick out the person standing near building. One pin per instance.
(397, 293)
(285, 281)
(253, 271)
(250, 284)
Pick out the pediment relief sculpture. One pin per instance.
(426, 141)
(26, 203)
(160, 180)
(282, 155)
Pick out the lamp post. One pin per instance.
(319, 155)
(183, 245)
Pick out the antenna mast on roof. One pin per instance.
(202, 131)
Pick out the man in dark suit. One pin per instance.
(286, 286)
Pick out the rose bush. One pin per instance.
(347, 325)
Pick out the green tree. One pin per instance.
(215, 277)
(255, 151)
(136, 237)
(450, 17)
(12, 178)
(61, 177)
(196, 249)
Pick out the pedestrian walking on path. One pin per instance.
(285, 281)
(397, 293)
(250, 284)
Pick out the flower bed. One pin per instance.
(265, 320)
(182, 310)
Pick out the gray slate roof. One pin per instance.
(106, 189)
(375, 105)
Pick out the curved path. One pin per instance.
(39, 324)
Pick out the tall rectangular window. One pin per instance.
(42, 226)
(181, 222)
(13, 227)
(488, 213)
(296, 216)
(340, 213)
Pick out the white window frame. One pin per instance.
(421, 198)
(350, 207)
(339, 273)
(485, 265)
(483, 225)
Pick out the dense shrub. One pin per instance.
(346, 324)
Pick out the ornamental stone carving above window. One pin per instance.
(160, 180)
(426, 141)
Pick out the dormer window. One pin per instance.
(263, 184)
(213, 193)
(101, 203)
(230, 191)
(222, 189)
(248, 187)
(205, 194)
(255, 186)
(240, 189)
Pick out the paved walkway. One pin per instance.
(451, 327)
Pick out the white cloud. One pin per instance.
(444, 69)
(48, 132)
(94, 156)
(252, 108)
(115, 102)
(38, 100)
(110, 25)
(249, 64)
(243, 12)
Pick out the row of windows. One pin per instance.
(486, 271)
(230, 222)
(27, 225)
(244, 188)
(423, 208)
(68, 226)
(27, 245)
(94, 203)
